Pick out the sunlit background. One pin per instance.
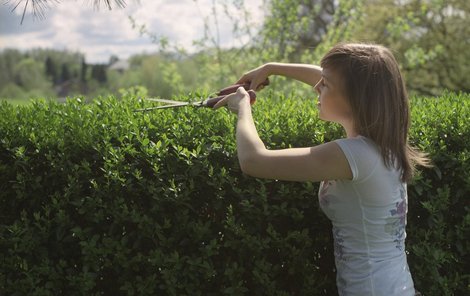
(102, 33)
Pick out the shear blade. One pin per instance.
(166, 101)
(172, 106)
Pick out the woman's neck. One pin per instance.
(350, 130)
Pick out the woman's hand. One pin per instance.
(258, 77)
(235, 101)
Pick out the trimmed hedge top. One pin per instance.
(97, 199)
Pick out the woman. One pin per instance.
(363, 176)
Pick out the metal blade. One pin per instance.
(161, 107)
(165, 101)
(172, 106)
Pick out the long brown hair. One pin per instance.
(374, 87)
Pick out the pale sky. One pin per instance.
(78, 26)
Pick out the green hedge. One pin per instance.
(99, 200)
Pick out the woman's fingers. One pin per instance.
(221, 103)
(241, 91)
(258, 78)
(254, 85)
(232, 100)
(256, 82)
(245, 78)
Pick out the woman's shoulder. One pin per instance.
(359, 144)
(362, 154)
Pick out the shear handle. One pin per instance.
(233, 88)
(212, 101)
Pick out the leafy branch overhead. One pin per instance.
(39, 7)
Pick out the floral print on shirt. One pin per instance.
(338, 244)
(323, 192)
(396, 224)
(337, 237)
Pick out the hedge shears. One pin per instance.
(208, 102)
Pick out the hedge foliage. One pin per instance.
(99, 200)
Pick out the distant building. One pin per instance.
(120, 66)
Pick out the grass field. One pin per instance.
(17, 102)
(21, 102)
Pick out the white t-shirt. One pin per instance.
(368, 214)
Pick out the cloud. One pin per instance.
(10, 21)
(100, 33)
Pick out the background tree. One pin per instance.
(51, 70)
(83, 71)
(98, 73)
(65, 74)
(430, 38)
(28, 74)
(294, 26)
